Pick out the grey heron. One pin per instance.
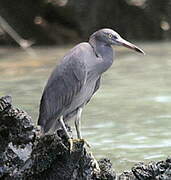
(74, 81)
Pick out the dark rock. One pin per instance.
(27, 155)
(16, 137)
(152, 171)
(127, 175)
(106, 170)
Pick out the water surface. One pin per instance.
(128, 120)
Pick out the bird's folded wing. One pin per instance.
(63, 85)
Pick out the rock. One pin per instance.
(25, 155)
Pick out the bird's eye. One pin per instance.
(110, 36)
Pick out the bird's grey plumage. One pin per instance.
(70, 86)
(73, 83)
(63, 85)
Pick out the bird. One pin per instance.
(75, 80)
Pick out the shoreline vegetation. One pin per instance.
(59, 22)
(25, 154)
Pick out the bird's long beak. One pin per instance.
(130, 45)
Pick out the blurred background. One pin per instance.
(128, 120)
(59, 22)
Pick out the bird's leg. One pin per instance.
(78, 122)
(78, 125)
(66, 132)
(64, 127)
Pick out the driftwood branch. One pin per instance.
(24, 154)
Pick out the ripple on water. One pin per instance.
(162, 99)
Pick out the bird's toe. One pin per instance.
(83, 141)
(72, 142)
(95, 164)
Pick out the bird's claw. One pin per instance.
(95, 164)
(87, 144)
(72, 141)
(84, 141)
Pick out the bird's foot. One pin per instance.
(95, 164)
(72, 141)
(82, 140)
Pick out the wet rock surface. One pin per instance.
(24, 154)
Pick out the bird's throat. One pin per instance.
(104, 52)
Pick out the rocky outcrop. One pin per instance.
(26, 154)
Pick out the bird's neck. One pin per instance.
(103, 51)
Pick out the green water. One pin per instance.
(128, 120)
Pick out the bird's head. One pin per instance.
(110, 37)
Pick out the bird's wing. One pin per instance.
(97, 85)
(63, 85)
